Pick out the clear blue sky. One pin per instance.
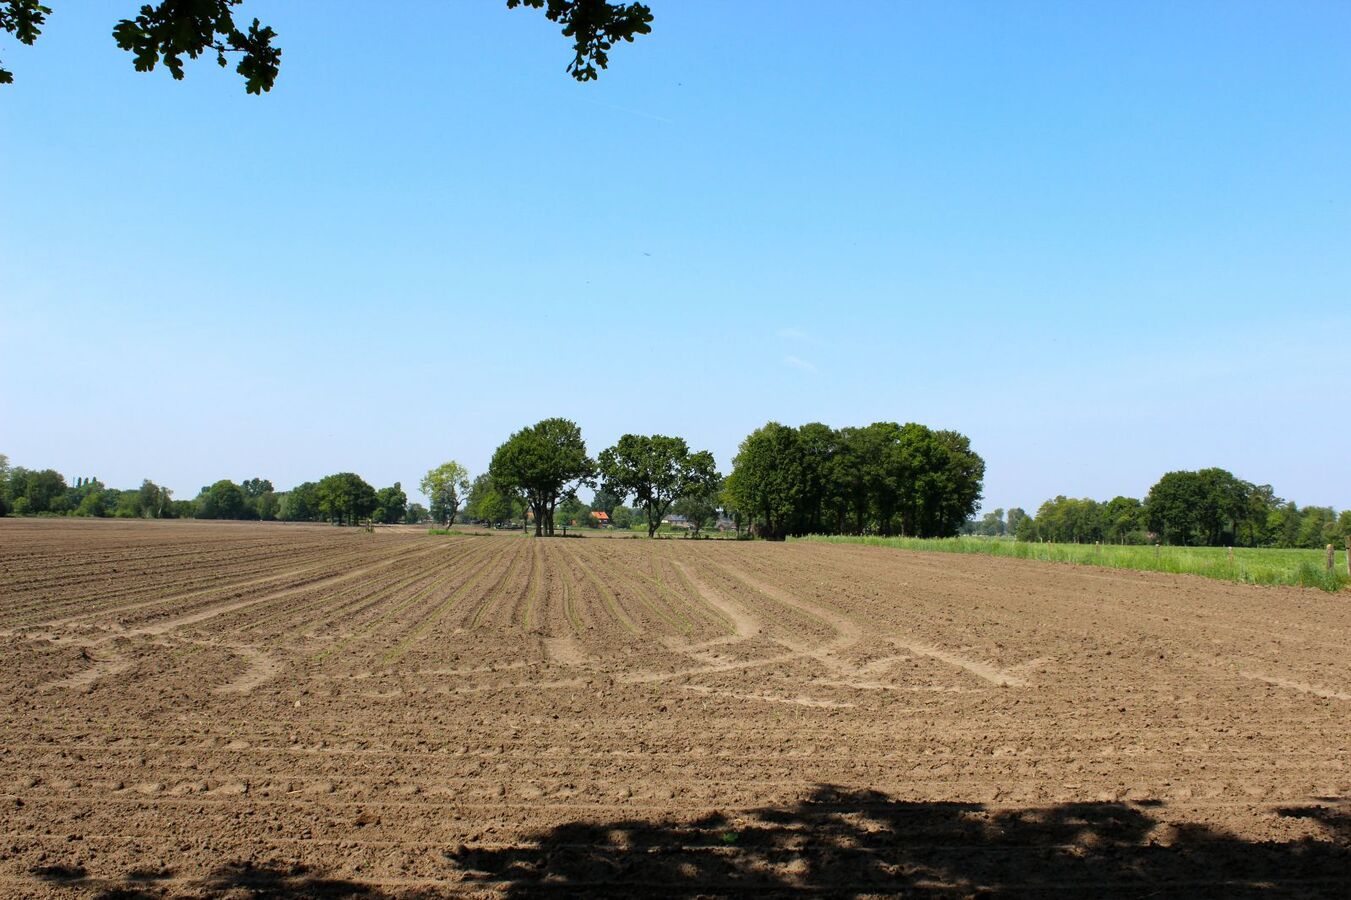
(1103, 240)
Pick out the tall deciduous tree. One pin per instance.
(767, 481)
(1123, 520)
(153, 500)
(954, 488)
(254, 488)
(260, 499)
(1205, 507)
(657, 470)
(222, 500)
(345, 498)
(819, 445)
(856, 477)
(300, 503)
(391, 504)
(446, 486)
(546, 463)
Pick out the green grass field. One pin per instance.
(1304, 568)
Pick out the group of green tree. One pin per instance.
(1208, 507)
(46, 492)
(342, 498)
(535, 476)
(882, 478)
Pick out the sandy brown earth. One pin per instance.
(196, 709)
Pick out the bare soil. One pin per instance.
(203, 709)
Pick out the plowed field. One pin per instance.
(196, 709)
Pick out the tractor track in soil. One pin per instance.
(206, 709)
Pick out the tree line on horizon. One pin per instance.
(885, 477)
(882, 478)
(341, 498)
(1202, 508)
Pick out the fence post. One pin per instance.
(1348, 554)
(1231, 556)
(1156, 549)
(1332, 554)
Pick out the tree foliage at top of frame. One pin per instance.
(23, 19)
(173, 28)
(594, 26)
(167, 31)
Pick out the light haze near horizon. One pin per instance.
(1105, 242)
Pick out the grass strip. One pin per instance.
(1269, 566)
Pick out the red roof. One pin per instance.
(599, 515)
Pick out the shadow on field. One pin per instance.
(842, 844)
(232, 880)
(855, 844)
